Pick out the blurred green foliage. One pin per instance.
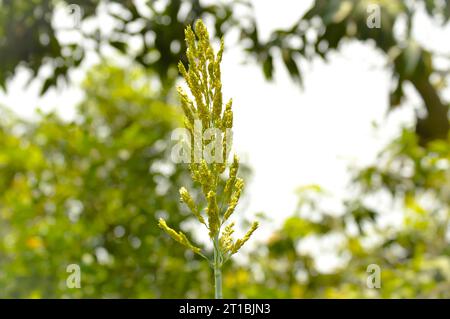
(30, 36)
(408, 239)
(330, 23)
(151, 34)
(89, 192)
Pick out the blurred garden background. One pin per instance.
(342, 125)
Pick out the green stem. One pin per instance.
(217, 271)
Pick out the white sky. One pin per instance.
(290, 137)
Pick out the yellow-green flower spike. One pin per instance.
(204, 104)
(226, 241)
(232, 178)
(213, 214)
(187, 199)
(240, 242)
(238, 187)
(227, 120)
(187, 105)
(179, 237)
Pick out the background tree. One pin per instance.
(411, 247)
(30, 38)
(90, 192)
(334, 22)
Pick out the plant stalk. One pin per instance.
(217, 270)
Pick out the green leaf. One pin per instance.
(291, 66)
(268, 67)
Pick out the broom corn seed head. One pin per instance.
(205, 103)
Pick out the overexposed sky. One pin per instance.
(293, 137)
(290, 137)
